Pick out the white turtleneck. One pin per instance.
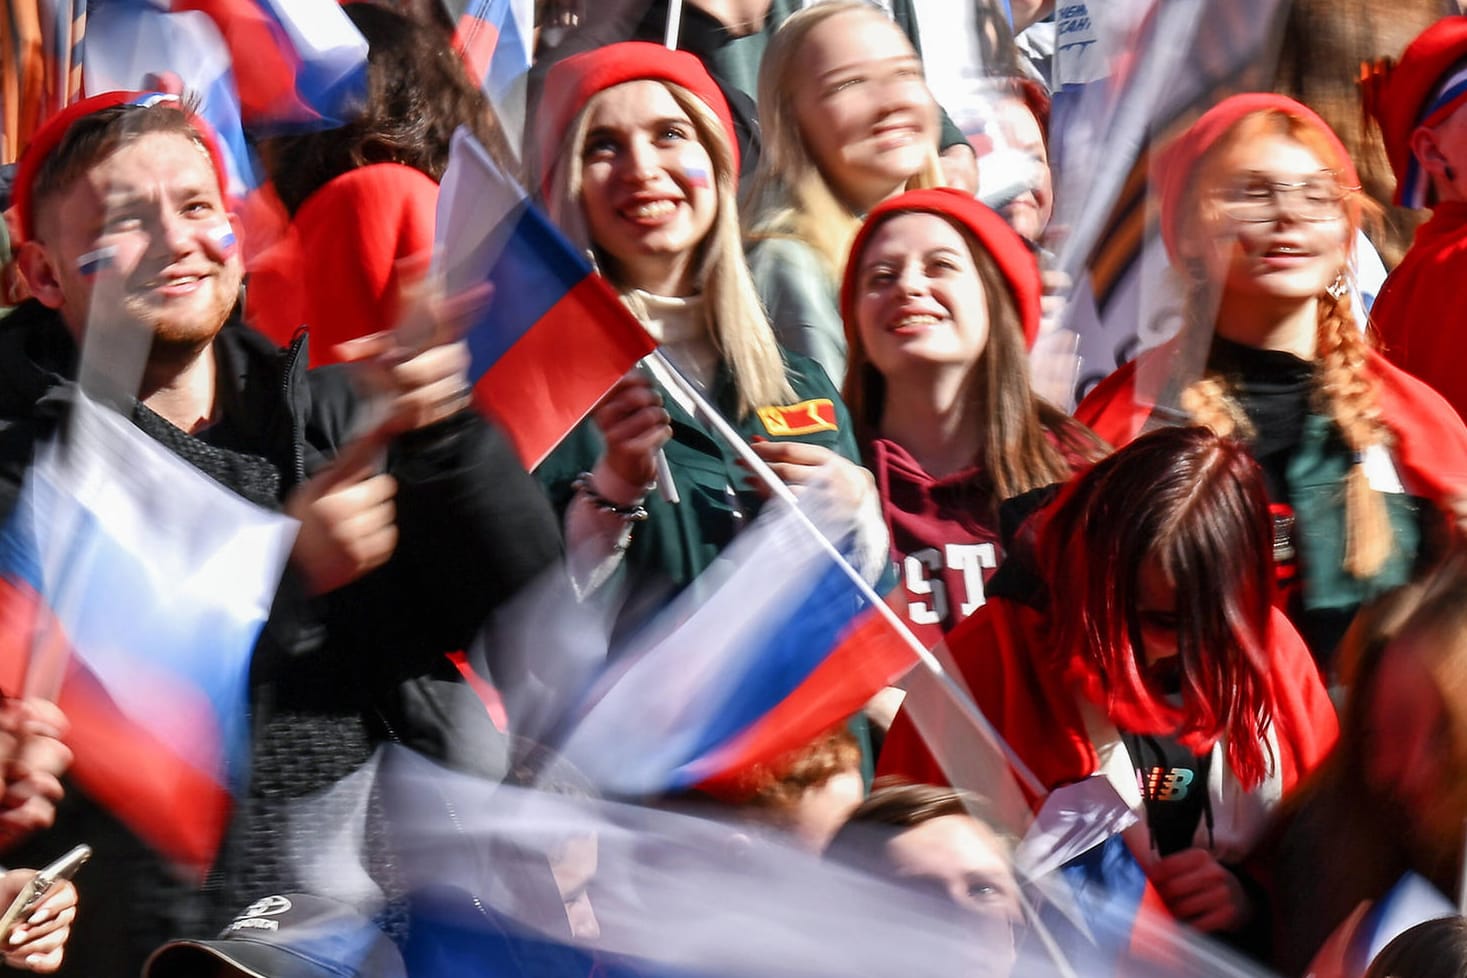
(680, 326)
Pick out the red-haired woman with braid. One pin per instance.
(1259, 206)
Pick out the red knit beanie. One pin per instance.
(571, 83)
(1426, 85)
(1177, 165)
(50, 135)
(1015, 261)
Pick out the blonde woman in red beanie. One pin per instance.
(642, 166)
(941, 303)
(1259, 207)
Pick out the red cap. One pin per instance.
(49, 136)
(571, 83)
(1177, 164)
(1014, 258)
(1407, 94)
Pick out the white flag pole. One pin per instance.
(674, 23)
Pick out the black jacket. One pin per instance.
(331, 676)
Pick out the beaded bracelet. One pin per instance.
(632, 513)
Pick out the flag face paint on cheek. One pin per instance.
(695, 168)
(223, 236)
(95, 262)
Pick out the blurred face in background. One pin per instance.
(864, 112)
(959, 859)
(1012, 153)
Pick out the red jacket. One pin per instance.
(1430, 450)
(336, 271)
(1004, 656)
(1418, 312)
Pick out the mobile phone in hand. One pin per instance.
(38, 886)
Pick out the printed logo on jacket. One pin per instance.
(804, 418)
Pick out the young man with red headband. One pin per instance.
(127, 227)
(1420, 102)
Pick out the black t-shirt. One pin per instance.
(1173, 783)
(1172, 779)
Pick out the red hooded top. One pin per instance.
(1020, 683)
(943, 538)
(336, 270)
(1418, 310)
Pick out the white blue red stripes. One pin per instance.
(552, 337)
(98, 260)
(1451, 88)
(159, 605)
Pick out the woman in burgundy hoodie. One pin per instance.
(941, 303)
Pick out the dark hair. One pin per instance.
(909, 805)
(1434, 949)
(1193, 505)
(418, 93)
(96, 136)
(893, 806)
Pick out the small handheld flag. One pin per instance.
(553, 337)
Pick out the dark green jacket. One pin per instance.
(678, 541)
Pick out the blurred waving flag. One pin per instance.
(552, 337)
(297, 64)
(40, 66)
(494, 38)
(136, 587)
(138, 47)
(771, 646)
(1150, 68)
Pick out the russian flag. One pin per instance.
(552, 337)
(1124, 927)
(137, 47)
(298, 64)
(133, 588)
(772, 645)
(491, 37)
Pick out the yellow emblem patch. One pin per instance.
(807, 417)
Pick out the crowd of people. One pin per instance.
(1230, 583)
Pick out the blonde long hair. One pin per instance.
(790, 197)
(735, 317)
(1344, 387)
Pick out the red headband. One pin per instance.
(1015, 261)
(50, 135)
(571, 84)
(1177, 164)
(1396, 94)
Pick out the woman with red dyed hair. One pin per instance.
(1260, 205)
(1130, 633)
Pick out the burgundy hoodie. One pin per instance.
(944, 537)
